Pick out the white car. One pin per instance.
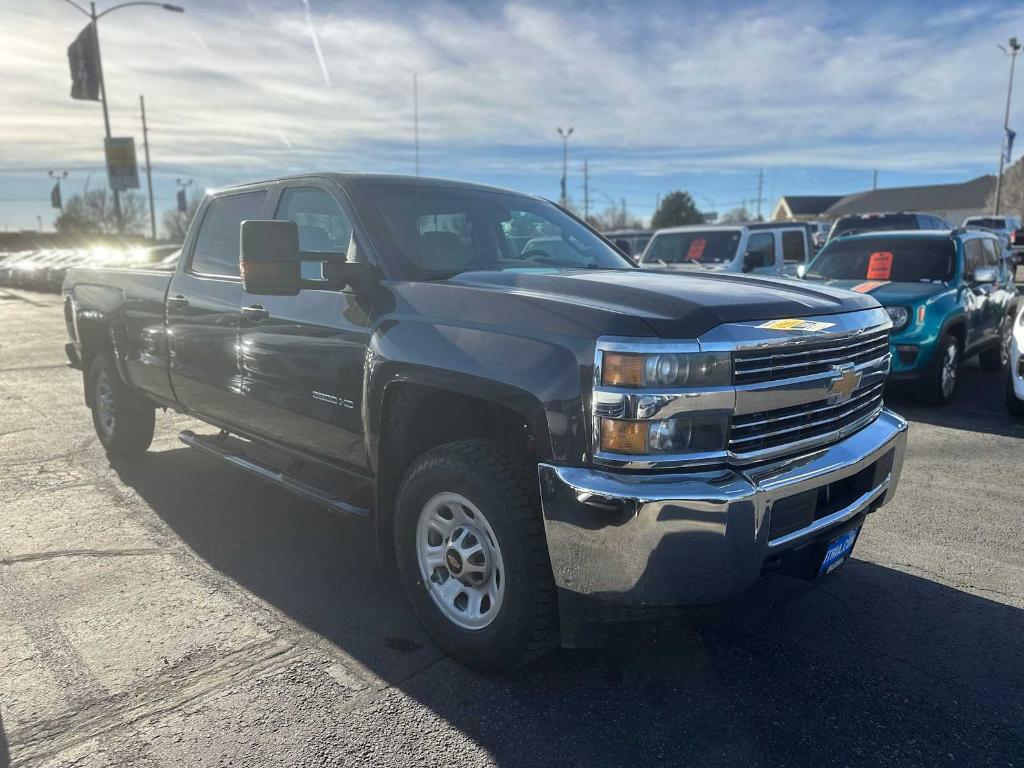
(1015, 379)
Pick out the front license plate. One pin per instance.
(838, 550)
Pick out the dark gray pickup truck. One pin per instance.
(543, 437)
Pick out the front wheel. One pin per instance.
(472, 557)
(123, 419)
(940, 384)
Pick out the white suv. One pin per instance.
(763, 248)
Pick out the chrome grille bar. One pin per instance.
(761, 365)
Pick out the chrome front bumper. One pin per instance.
(631, 539)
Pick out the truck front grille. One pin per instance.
(770, 429)
(786, 362)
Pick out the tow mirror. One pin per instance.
(271, 263)
(269, 258)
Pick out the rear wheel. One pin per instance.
(123, 419)
(472, 555)
(940, 384)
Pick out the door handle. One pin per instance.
(177, 302)
(255, 312)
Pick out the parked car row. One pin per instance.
(949, 291)
(45, 269)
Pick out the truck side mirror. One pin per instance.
(269, 258)
(751, 260)
(985, 275)
(270, 262)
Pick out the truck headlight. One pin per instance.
(702, 433)
(900, 316)
(666, 369)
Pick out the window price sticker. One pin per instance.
(880, 266)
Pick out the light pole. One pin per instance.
(565, 160)
(1015, 47)
(93, 18)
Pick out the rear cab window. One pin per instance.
(701, 246)
(216, 250)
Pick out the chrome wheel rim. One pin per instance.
(460, 561)
(949, 362)
(105, 404)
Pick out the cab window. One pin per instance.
(760, 250)
(216, 249)
(793, 246)
(323, 227)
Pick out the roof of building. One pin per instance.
(931, 198)
(810, 205)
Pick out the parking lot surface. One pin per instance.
(173, 611)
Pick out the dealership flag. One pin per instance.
(82, 55)
(182, 205)
(55, 200)
(1010, 136)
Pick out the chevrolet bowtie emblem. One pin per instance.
(844, 384)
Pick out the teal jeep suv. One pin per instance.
(950, 295)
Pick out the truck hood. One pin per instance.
(889, 293)
(678, 305)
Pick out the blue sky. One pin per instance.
(662, 96)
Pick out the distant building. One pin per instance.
(953, 202)
(803, 207)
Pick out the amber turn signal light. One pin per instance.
(619, 436)
(619, 370)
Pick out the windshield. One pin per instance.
(891, 259)
(441, 231)
(703, 247)
(986, 223)
(850, 224)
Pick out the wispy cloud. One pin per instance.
(650, 91)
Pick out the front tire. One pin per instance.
(471, 554)
(940, 384)
(123, 419)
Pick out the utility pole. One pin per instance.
(565, 161)
(149, 171)
(416, 119)
(1014, 50)
(586, 190)
(760, 190)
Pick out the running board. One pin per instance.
(220, 447)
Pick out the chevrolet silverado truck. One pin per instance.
(541, 443)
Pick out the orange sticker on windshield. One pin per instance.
(880, 266)
(868, 287)
(696, 249)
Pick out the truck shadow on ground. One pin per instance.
(5, 752)
(870, 662)
(978, 405)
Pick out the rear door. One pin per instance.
(795, 249)
(976, 294)
(203, 305)
(302, 357)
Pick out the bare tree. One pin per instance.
(1013, 191)
(615, 217)
(176, 223)
(735, 216)
(92, 213)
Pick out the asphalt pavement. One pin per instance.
(170, 611)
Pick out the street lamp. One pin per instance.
(1014, 50)
(93, 18)
(565, 160)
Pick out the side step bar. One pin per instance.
(218, 446)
